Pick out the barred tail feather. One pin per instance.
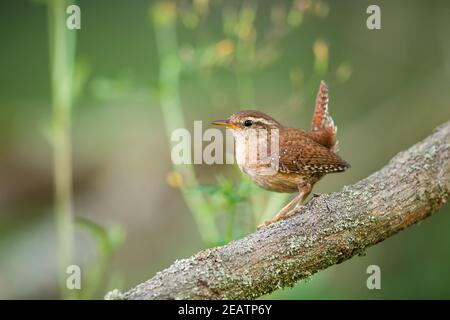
(322, 120)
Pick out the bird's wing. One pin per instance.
(299, 153)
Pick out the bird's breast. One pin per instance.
(264, 170)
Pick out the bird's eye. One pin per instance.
(248, 123)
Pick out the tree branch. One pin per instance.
(329, 229)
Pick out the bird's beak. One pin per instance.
(225, 123)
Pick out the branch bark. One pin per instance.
(329, 229)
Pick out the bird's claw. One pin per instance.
(264, 224)
(277, 218)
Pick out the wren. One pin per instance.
(301, 158)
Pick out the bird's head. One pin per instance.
(241, 121)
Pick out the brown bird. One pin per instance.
(282, 159)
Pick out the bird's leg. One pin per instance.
(304, 190)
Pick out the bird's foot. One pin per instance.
(297, 209)
(278, 217)
(265, 223)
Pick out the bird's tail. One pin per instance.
(322, 121)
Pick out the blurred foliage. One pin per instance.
(108, 241)
(142, 69)
(68, 79)
(225, 198)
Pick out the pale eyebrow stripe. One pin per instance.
(262, 120)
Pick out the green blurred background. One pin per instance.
(142, 68)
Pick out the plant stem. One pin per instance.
(62, 52)
(164, 22)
